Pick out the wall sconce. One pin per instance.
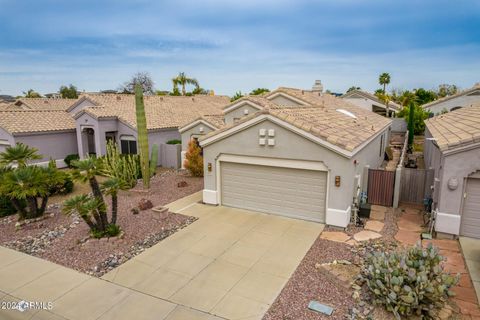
(209, 167)
(337, 181)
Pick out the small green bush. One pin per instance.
(71, 157)
(6, 207)
(64, 184)
(112, 230)
(174, 141)
(409, 282)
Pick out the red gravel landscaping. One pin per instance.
(307, 284)
(65, 240)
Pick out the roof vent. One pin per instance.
(303, 92)
(318, 86)
(347, 113)
(45, 101)
(119, 98)
(193, 99)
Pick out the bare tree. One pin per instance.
(142, 78)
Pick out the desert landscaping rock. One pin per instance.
(65, 239)
(366, 235)
(373, 225)
(337, 236)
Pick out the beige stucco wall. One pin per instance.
(5, 138)
(459, 166)
(239, 112)
(283, 101)
(55, 145)
(461, 101)
(289, 145)
(193, 132)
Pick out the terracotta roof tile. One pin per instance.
(456, 128)
(161, 111)
(43, 103)
(26, 121)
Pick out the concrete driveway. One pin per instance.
(471, 252)
(231, 263)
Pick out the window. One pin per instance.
(128, 146)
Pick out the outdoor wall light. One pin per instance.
(201, 129)
(209, 167)
(337, 181)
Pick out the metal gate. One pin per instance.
(415, 185)
(380, 187)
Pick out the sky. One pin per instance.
(232, 46)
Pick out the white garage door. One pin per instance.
(471, 210)
(289, 192)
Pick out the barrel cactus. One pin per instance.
(409, 282)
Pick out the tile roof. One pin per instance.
(259, 100)
(329, 118)
(456, 128)
(161, 111)
(44, 103)
(26, 121)
(217, 120)
(373, 97)
(459, 94)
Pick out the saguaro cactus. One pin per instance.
(142, 135)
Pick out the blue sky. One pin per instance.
(238, 45)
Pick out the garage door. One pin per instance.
(471, 210)
(289, 192)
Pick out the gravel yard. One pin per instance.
(65, 240)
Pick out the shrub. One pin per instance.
(112, 230)
(194, 160)
(409, 282)
(174, 141)
(63, 185)
(71, 157)
(6, 207)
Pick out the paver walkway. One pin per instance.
(409, 229)
(230, 264)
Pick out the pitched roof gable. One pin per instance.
(471, 91)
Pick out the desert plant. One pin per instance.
(409, 282)
(193, 159)
(19, 155)
(71, 157)
(92, 209)
(28, 184)
(125, 167)
(154, 160)
(142, 136)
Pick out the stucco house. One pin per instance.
(463, 99)
(59, 127)
(52, 132)
(452, 149)
(296, 153)
(371, 102)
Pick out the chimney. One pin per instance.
(318, 86)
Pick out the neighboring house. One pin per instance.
(371, 102)
(59, 127)
(452, 149)
(295, 153)
(52, 132)
(463, 99)
(102, 117)
(42, 104)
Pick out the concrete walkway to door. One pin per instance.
(231, 263)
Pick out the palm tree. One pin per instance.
(183, 80)
(86, 208)
(111, 187)
(27, 184)
(20, 154)
(32, 94)
(384, 79)
(87, 171)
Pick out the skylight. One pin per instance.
(347, 113)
